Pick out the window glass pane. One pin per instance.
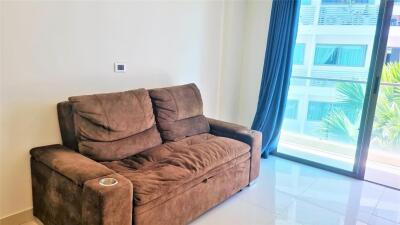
(298, 55)
(326, 96)
(351, 56)
(291, 109)
(341, 55)
(325, 55)
(393, 54)
(395, 20)
(364, 1)
(335, 1)
(347, 1)
(383, 164)
(317, 110)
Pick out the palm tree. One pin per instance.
(339, 124)
(387, 117)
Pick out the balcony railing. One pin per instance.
(333, 80)
(333, 114)
(307, 15)
(343, 14)
(348, 15)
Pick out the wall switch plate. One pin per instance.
(119, 67)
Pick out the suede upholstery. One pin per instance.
(66, 123)
(99, 202)
(179, 111)
(157, 171)
(66, 190)
(71, 164)
(202, 162)
(115, 125)
(57, 200)
(202, 196)
(243, 134)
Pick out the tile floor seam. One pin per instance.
(267, 209)
(386, 219)
(379, 216)
(308, 187)
(377, 203)
(303, 198)
(323, 207)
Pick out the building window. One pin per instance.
(363, 1)
(392, 55)
(340, 55)
(306, 2)
(318, 110)
(348, 1)
(395, 20)
(298, 55)
(291, 109)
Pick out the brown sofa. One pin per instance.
(171, 162)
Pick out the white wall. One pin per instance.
(52, 50)
(245, 37)
(255, 39)
(232, 56)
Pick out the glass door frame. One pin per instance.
(370, 99)
(375, 72)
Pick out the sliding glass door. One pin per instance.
(383, 164)
(330, 79)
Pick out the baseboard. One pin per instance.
(18, 218)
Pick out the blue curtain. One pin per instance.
(276, 73)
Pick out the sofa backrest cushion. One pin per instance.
(179, 111)
(66, 123)
(114, 126)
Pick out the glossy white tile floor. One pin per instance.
(288, 193)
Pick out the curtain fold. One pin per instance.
(276, 73)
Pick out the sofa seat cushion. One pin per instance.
(161, 170)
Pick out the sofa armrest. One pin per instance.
(66, 189)
(107, 205)
(243, 134)
(69, 163)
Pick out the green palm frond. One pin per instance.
(338, 124)
(351, 94)
(387, 116)
(387, 123)
(391, 73)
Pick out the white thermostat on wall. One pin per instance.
(119, 67)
